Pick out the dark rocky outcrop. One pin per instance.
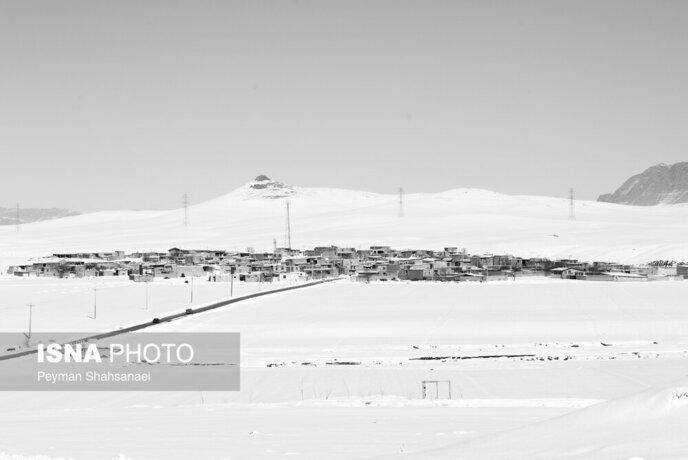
(660, 184)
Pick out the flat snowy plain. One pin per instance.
(68, 304)
(540, 368)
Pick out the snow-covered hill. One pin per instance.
(10, 216)
(479, 220)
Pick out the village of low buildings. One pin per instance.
(378, 263)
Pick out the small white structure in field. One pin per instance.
(436, 383)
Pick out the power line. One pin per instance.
(401, 202)
(185, 201)
(572, 205)
(288, 229)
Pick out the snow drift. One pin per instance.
(650, 424)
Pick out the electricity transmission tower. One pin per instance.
(185, 201)
(288, 228)
(572, 205)
(401, 202)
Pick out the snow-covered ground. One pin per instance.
(648, 425)
(335, 371)
(69, 304)
(479, 220)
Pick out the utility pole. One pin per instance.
(288, 227)
(192, 286)
(185, 201)
(18, 222)
(95, 302)
(28, 335)
(231, 282)
(146, 283)
(401, 202)
(572, 205)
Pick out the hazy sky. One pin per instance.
(130, 104)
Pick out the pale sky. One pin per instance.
(130, 104)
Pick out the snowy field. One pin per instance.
(334, 371)
(68, 304)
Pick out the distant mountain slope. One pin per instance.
(8, 216)
(660, 184)
(481, 221)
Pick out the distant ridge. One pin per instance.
(8, 216)
(660, 184)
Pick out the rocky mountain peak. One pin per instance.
(659, 184)
(264, 187)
